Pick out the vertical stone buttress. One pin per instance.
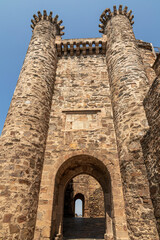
(22, 143)
(128, 85)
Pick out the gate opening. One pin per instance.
(86, 175)
(84, 211)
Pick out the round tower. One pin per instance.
(22, 143)
(128, 85)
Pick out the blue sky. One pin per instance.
(78, 207)
(80, 18)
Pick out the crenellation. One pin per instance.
(36, 18)
(129, 13)
(39, 15)
(45, 17)
(107, 15)
(120, 9)
(125, 10)
(81, 46)
(93, 46)
(115, 10)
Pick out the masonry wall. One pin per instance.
(148, 58)
(156, 65)
(81, 122)
(151, 145)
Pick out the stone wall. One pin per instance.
(151, 145)
(81, 123)
(156, 65)
(148, 57)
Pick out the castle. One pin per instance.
(84, 123)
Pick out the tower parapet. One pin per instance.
(54, 21)
(107, 15)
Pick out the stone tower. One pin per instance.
(78, 127)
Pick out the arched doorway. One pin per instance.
(81, 164)
(88, 220)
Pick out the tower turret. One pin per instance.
(128, 85)
(22, 143)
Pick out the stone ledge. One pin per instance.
(81, 111)
(144, 45)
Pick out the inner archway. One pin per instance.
(89, 220)
(76, 166)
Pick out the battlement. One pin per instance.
(88, 46)
(49, 18)
(107, 15)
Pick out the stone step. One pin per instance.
(84, 228)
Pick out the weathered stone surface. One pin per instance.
(151, 145)
(7, 218)
(14, 228)
(22, 143)
(156, 65)
(148, 58)
(128, 84)
(81, 126)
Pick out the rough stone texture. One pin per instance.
(148, 58)
(151, 145)
(81, 95)
(129, 83)
(156, 65)
(87, 189)
(23, 138)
